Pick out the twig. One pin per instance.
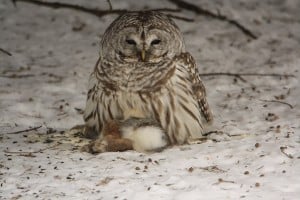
(96, 12)
(212, 132)
(6, 52)
(282, 149)
(17, 76)
(213, 168)
(57, 5)
(26, 130)
(220, 180)
(225, 135)
(165, 10)
(241, 78)
(180, 18)
(277, 101)
(109, 3)
(245, 74)
(201, 11)
(30, 153)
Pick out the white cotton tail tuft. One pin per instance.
(146, 137)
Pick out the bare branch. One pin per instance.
(220, 180)
(166, 10)
(180, 18)
(282, 149)
(26, 130)
(57, 5)
(30, 153)
(201, 11)
(276, 101)
(245, 74)
(17, 76)
(6, 52)
(95, 12)
(110, 6)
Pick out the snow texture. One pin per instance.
(44, 83)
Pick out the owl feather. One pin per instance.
(145, 73)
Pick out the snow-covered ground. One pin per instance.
(44, 83)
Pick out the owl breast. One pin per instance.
(164, 95)
(135, 77)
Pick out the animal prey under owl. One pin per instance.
(144, 74)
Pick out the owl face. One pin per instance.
(143, 45)
(145, 37)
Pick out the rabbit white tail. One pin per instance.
(146, 138)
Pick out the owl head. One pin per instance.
(145, 37)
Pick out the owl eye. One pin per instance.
(155, 42)
(131, 42)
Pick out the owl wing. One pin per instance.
(198, 88)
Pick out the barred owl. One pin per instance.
(147, 83)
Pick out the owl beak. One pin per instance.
(143, 54)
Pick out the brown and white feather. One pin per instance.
(167, 89)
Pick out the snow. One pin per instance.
(258, 160)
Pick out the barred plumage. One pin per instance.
(143, 71)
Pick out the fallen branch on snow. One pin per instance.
(26, 130)
(57, 5)
(220, 180)
(97, 12)
(182, 4)
(180, 18)
(201, 11)
(17, 75)
(6, 52)
(30, 153)
(277, 101)
(244, 74)
(109, 4)
(282, 149)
